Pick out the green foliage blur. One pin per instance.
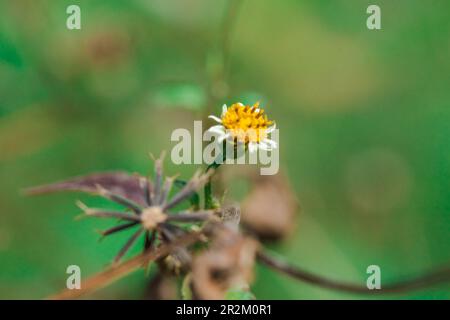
(364, 120)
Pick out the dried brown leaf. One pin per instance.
(120, 183)
(269, 209)
(228, 263)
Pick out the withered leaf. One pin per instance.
(120, 183)
(227, 264)
(269, 209)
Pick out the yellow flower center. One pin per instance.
(246, 124)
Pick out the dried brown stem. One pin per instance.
(128, 245)
(118, 228)
(119, 199)
(190, 216)
(116, 272)
(112, 214)
(435, 277)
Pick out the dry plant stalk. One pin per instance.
(116, 272)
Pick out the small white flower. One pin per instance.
(244, 125)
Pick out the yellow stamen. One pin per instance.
(245, 123)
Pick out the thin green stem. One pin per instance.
(216, 79)
(209, 199)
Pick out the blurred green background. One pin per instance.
(364, 120)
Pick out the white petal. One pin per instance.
(240, 104)
(223, 137)
(217, 129)
(217, 119)
(271, 143)
(272, 128)
(224, 109)
(264, 146)
(252, 147)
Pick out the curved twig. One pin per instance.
(435, 277)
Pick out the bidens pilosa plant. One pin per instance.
(204, 242)
(150, 208)
(245, 125)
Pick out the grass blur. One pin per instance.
(364, 118)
